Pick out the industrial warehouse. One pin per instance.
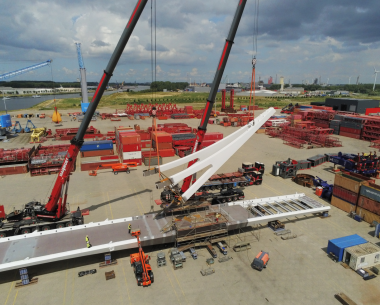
(190, 204)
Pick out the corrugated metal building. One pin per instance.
(351, 104)
(362, 256)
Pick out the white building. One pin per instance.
(21, 91)
(362, 256)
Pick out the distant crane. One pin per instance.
(357, 80)
(24, 70)
(83, 81)
(374, 84)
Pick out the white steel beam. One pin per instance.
(214, 156)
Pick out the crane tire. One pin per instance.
(115, 173)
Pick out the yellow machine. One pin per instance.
(37, 133)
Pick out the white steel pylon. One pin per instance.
(212, 157)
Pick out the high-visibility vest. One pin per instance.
(87, 239)
(129, 226)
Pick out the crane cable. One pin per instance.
(253, 77)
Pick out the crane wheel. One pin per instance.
(60, 226)
(25, 231)
(45, 228)
(115, 173)
(69, 224)
(3, 234)
(128, 171)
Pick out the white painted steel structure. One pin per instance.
(112, 235)
(212, 157)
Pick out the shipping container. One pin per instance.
(162, 145)
(342, 204)
(97, 153)
(161, 136)
(362, 256)
(13, 169)
(369, 204)
(371, 191)
(367, 216)
(166, 153)
(109, 158)
(129, 138)
(349, 182)
(131, 147)
(151, 161)
(349, 134)
(344, 194)
(351, 130)
(336, 246)
(132, 155)
(97, 145)
(146, 144)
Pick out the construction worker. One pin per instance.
(88, 242)
(129, 228)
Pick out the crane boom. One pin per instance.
(57, 200)
(83, 80)
(214, 88)
(24, 70)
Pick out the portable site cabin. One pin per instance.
(337, 246)
(362, 256)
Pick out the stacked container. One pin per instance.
(351, 127)
(97, 148)
(346, 192)
(369, 203)
(163, 142)
(335, 125)
(129, 150)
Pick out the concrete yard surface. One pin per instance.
(299, 270)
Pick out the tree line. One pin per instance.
(160, 86)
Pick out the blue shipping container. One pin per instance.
(5, 121)
(97, 145)
(337, 246)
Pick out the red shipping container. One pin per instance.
(369, 204)
(167, 153)
(162, 145)
(13, 169)
(131, 147)
(162, 136)
(350, 130)
(213, 136)
(96, 153)
(349, 135)
(109, 158)
(148, 153)
(344, 194)
(138, 161)
(144, 135)
(146, 144)
(129, 138)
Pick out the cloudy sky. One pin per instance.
(300, 40)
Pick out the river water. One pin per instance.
(15, 103)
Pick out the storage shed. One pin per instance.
(337, 246)
(351, 104)
(362, 256)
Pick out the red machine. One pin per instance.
(214, 88)
(55, 213)
(140, 263)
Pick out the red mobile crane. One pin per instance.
(54, 214)
(214, 88)
(140, 263)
